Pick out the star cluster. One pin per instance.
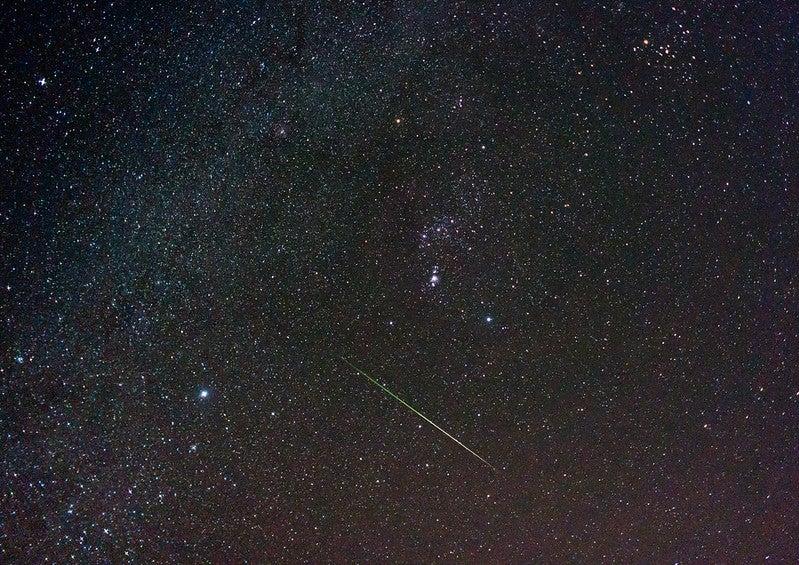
(566, 233)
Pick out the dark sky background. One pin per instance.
(569, 235)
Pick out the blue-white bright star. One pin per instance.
(204, 393)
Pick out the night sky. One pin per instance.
(566, 234)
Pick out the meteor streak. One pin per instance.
(415, 411)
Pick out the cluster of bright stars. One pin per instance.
(435, 278)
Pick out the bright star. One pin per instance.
(204, 393)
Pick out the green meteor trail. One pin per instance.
(415, 411)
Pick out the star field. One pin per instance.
(567, 234)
